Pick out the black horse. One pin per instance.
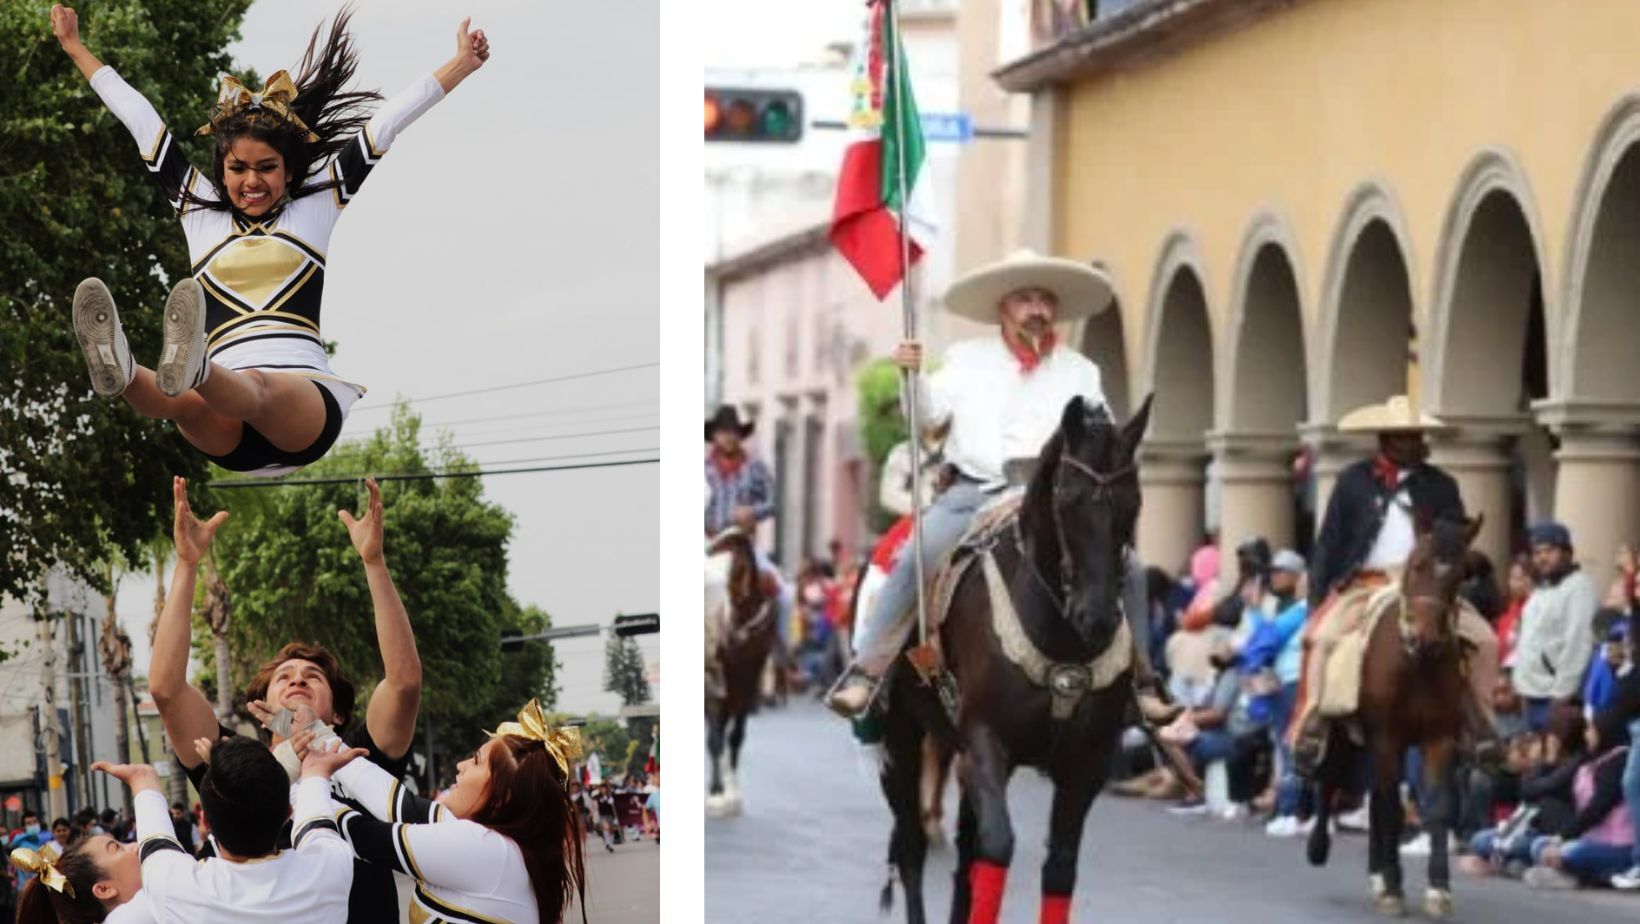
(1063, 569)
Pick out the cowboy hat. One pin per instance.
(1082, 290)
(727, 416)
(1393, 416)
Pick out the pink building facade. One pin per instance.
(796, 327)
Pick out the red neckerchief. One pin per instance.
(1386, 472)
(1028, 361)
(727, 465)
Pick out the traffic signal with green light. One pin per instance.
(751, 115)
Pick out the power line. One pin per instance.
(523, 427)
(429, 476)
(543, 439)
(493, 388)
(577, 455)
(559, 412)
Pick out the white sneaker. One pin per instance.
(1354, 821)
(1627, 881)
(1284, 826)
(1235, 811)
(102, 339)
(1417, 847)
(182, 364)
(1544, 877)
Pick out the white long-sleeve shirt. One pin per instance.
(997, 411)
(1556, 638)
(463, 870)
(308, 883)
(264, 277)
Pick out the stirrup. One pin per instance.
(844, 697)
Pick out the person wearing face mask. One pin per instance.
(996, 401)
(33, 837)
(243, 369)
(503, 844)
(94, 880)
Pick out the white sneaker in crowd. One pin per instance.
(1235, 811)
(1547, 877)
(1629, 880)
(1286, 826)
(1420, 845)
(1354, 821)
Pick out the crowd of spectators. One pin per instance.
(1563, 809)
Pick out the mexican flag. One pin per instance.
(867, 216)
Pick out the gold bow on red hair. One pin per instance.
(275, 99)
(31, 862)
(564, 744)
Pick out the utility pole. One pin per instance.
(56, 797)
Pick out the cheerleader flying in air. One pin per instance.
(243, 370)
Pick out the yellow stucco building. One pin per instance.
(1286, 192)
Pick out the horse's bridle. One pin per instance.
(1102, 483)
(1443, 606)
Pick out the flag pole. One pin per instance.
(908, 310)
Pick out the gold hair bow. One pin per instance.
(564, 744)
(31, 862)
(275, 98)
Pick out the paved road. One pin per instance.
(623, 887)
(811, 844)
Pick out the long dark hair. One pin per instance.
(528, 802)
(40, 905)
(323, 103)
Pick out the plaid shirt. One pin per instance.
(748, 485)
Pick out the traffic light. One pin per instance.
(640, 624)
(751, 115)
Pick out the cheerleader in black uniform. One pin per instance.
(243, 369)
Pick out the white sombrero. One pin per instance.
(1082, 290)
(1393, 416)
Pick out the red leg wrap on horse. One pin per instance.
(985, 884)
(1056, 909)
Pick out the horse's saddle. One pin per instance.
(1068, 682)
(1352, 620)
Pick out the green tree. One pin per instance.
(81, 475)
(624, 670)
(295, 576)
(882, 426)
(609, 740)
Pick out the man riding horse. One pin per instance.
(740, 493)
(1373, 516)
(997, 399)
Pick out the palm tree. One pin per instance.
(218, 609)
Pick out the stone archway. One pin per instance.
(1101, 340)
(1265, 393)
(1178, 371)
(1366, 327)
(1486, 354)
(1594, 403)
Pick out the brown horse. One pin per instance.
(744, 612)
(1062, 567)
(1413, 695)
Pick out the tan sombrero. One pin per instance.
(1393, 416)
(1082, 290)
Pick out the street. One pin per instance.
(811, 845)
(623, 887)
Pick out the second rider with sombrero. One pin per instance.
(998, 398)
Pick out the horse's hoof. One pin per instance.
(717, 806)
(1438, 903)
(1390, 906)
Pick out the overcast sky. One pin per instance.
(509, 236)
